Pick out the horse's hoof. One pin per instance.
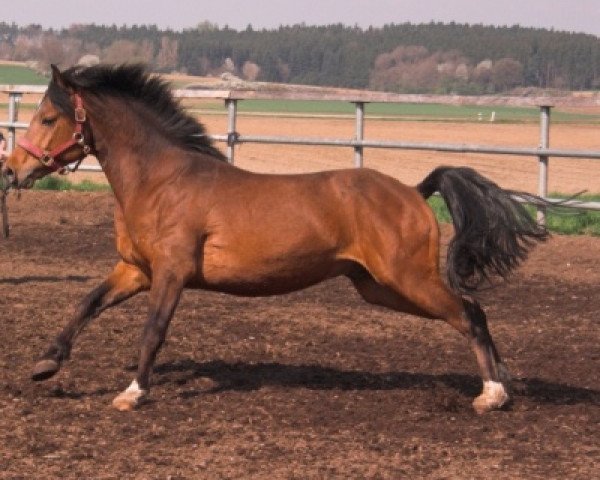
(493, 397)
(45, 369)
(124, 404)
(130, 399)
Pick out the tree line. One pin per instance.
(434, 57)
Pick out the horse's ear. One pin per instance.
(57, 76)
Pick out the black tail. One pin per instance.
(493, 231)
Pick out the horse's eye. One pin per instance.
(48, 121)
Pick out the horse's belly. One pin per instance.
(258, 275)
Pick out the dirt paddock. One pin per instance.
(315, 384)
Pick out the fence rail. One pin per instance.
(232, 137)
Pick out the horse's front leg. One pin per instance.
(164, 297)
(125, 281)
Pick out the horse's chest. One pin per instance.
(135, 247)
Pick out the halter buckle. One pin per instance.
(46, 159)
(80, 115)
(78, 138)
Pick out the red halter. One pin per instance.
(47, 158)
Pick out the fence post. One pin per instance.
(232, 135)
(13, 114)
(360, 132)
(543, 160)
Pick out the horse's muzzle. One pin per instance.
(11, 180)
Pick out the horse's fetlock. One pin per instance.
(58, 352)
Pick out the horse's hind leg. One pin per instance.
(429, 297)
(496, 378)
(125, 281)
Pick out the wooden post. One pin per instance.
(13, 114)
(231, 132)
(543, 160)
(360, 131)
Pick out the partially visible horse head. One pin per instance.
(55, 137)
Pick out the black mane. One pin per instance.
(134, 81)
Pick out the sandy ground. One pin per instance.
(311, 385)
(316, 384)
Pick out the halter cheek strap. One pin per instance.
(47, 158)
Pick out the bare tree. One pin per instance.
(284, 70)
(167, 56)
(51, 51)
(250, 71)
(26, 47)
(127, 51)
(409, 68)
(6, 50)
(506, 73)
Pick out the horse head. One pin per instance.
(55, 137)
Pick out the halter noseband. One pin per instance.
(47, 158)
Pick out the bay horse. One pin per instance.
(186, 218)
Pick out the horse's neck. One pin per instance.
(126, 151)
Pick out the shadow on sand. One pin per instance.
(244, 377)
(43, 279)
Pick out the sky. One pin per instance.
(568, 15)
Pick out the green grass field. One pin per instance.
(393, 111)
(565, 221)
(20, 75)
(62, 184)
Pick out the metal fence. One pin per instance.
(358, 143)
